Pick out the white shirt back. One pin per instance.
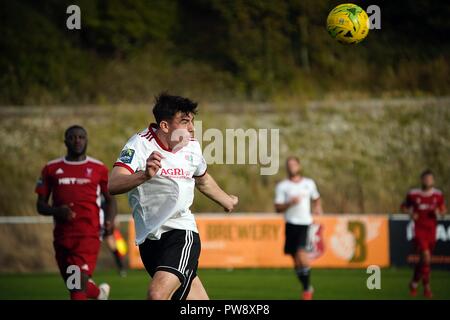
(306, 190)
(162, 203)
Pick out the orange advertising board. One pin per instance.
(257, 240)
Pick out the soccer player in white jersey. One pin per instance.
(293, 197)
(159, 168)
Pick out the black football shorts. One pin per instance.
(176, 252)
(296, 238)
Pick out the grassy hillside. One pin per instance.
(363, 155)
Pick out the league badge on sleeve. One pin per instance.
(189, 157)
(126, 156)
(40, 182)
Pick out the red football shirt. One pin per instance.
(78, 185)
(424, 204)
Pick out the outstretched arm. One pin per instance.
(208, 186)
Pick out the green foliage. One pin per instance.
(38, 65)
(120, 27)
(218, 50)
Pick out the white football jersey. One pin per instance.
(306, 190)
(162, 203)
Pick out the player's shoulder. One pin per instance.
(142, 139)
(141, 136)
(96, 162)
(194, 145)
(55, 162)
(308, 181)
(414, 192)
(437, 192)
(144, 134)
(282, 183)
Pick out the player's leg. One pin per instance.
(425, 257)
(188, 267)
(303, 270)
(419, 246)
(426, 271)
(163, 286)
(417, 276)
(424, 241)
(80, 293)
(172, 263)
(100, 292)
(64, 259)
(295, 244)
(302, 266)
(87, 250)
(197, 291)
(118, 259)
(158, 257)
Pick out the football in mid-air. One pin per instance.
(348, 23)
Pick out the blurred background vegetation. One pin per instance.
(126, 51)
(364, 155)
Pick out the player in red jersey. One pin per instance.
(76, 183)
(424, 206)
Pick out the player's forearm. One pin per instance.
(110, 209)
(281, 208)
(45, 209)
(317, 207)
(441, 211)
(122, 183)
(406, 209)
(211, 189)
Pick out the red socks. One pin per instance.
(417, 272)
(78, 295)
(92, 291)
(426, 270)
(422, 271)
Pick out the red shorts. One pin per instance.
(79, 251)
(425, 238)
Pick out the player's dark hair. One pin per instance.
(75, 126)
(166, 106)
(292, 158)
(426, 173)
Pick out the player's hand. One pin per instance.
(437, 213)
(153, 164)
(415, 216)
(109, 228)
(294, 201)
(64, 214)
(232, 203)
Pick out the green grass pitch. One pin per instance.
(238, 284)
